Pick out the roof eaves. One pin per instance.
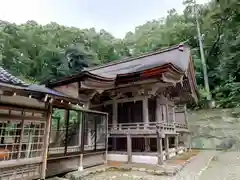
(77, 77)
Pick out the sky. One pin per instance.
(115, 16)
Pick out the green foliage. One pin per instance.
(42, 52)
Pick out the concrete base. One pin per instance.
(80, 168)
(146, 158)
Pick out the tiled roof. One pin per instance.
(177, 55)
(8, 78)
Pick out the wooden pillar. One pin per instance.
(66, 119)
(46, 142)
(159, 148)
(79, 116)
(176, 143)
(174, 115)
(129, 148)
(80, 140)
(106, 141)
(185, 114)
(145, 110)
(189, 142)
(166, 146)
(114, 121)
(146, 121)
(21, 137)
(167, 114)
(159, 112)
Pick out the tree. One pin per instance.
(43, 52)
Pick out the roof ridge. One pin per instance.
(134, 58)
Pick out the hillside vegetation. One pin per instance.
(215, 129)
(38, 53)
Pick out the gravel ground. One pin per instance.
(226, 166)
(223, 166)
(115, 175)
(190, 172)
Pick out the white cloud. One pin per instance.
(118, 19)
(20, 11)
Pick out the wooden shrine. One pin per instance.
(145, 98)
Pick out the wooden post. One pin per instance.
(46, 142)
(146, 121)
(96, 136)
(190, 142)
(129, 148)
(145, 111)
(159, 148)
(58, 130)
(106, 142)
(83, 121)
(176, 143)
(80, 116)
(21, 136)
(167, 113)
(66, 118)
(158, 111)
(166, 146)
(174, 115)
(30, 139)
(185, 114)
(115, 121)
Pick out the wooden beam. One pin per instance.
(129, 148)
(159, 148)
(18, 117)
(20, 162)
(132, 99)
(7, 106)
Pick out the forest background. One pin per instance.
(39, 53)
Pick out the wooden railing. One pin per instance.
(141, 126)
(181, 126)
